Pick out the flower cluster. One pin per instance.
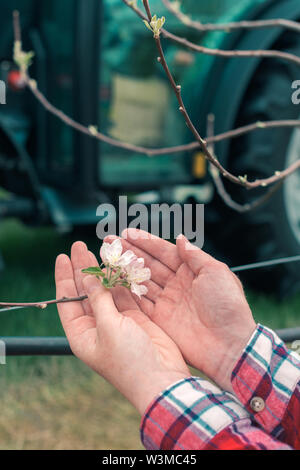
(121, 269)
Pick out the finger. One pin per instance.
(72, 315)
(123, 299)
(195, 258)
(158, 248)
(81, 259)
(145, 305)
(160, 273)
(102, 304)
(154, 291)
(93, 259)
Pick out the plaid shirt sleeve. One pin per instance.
(194, 414)
(269, 371)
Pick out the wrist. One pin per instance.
(153, 386)
(231, 356)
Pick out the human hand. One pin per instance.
(196, 300)
(117, 340)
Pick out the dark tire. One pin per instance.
(267, 232)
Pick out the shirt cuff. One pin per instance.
(188, 415)
(265, 377)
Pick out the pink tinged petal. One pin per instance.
(138, 289)
(136, 266)
(145, 275)
(140, 263)
(127, 258)
(138, 275)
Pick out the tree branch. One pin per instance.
(219, 52)
(228, 27)
(240, 180)
(221, 190)
(151, 152)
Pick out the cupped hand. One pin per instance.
(196, 300)
(116, 339)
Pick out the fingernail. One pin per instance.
(110, 237)
(79, 244)
(90, 283)
(180, 236)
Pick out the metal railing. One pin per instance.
(59, 346)
(36, 346)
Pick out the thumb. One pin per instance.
(101, 301)
(192, 255)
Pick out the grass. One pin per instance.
(63, 406)
(57, 403)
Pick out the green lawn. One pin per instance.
(57, 403)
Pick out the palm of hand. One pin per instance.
(207, 316)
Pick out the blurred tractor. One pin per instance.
(96, 61)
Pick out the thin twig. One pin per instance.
(152, 152)
(228, 27)
(44, 304)
(219, 52)
(17, 27)
(221, 190)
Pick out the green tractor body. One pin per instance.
(96, 61)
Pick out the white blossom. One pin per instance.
(122, 269)
(111, 254)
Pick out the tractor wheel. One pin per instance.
(272, 230)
